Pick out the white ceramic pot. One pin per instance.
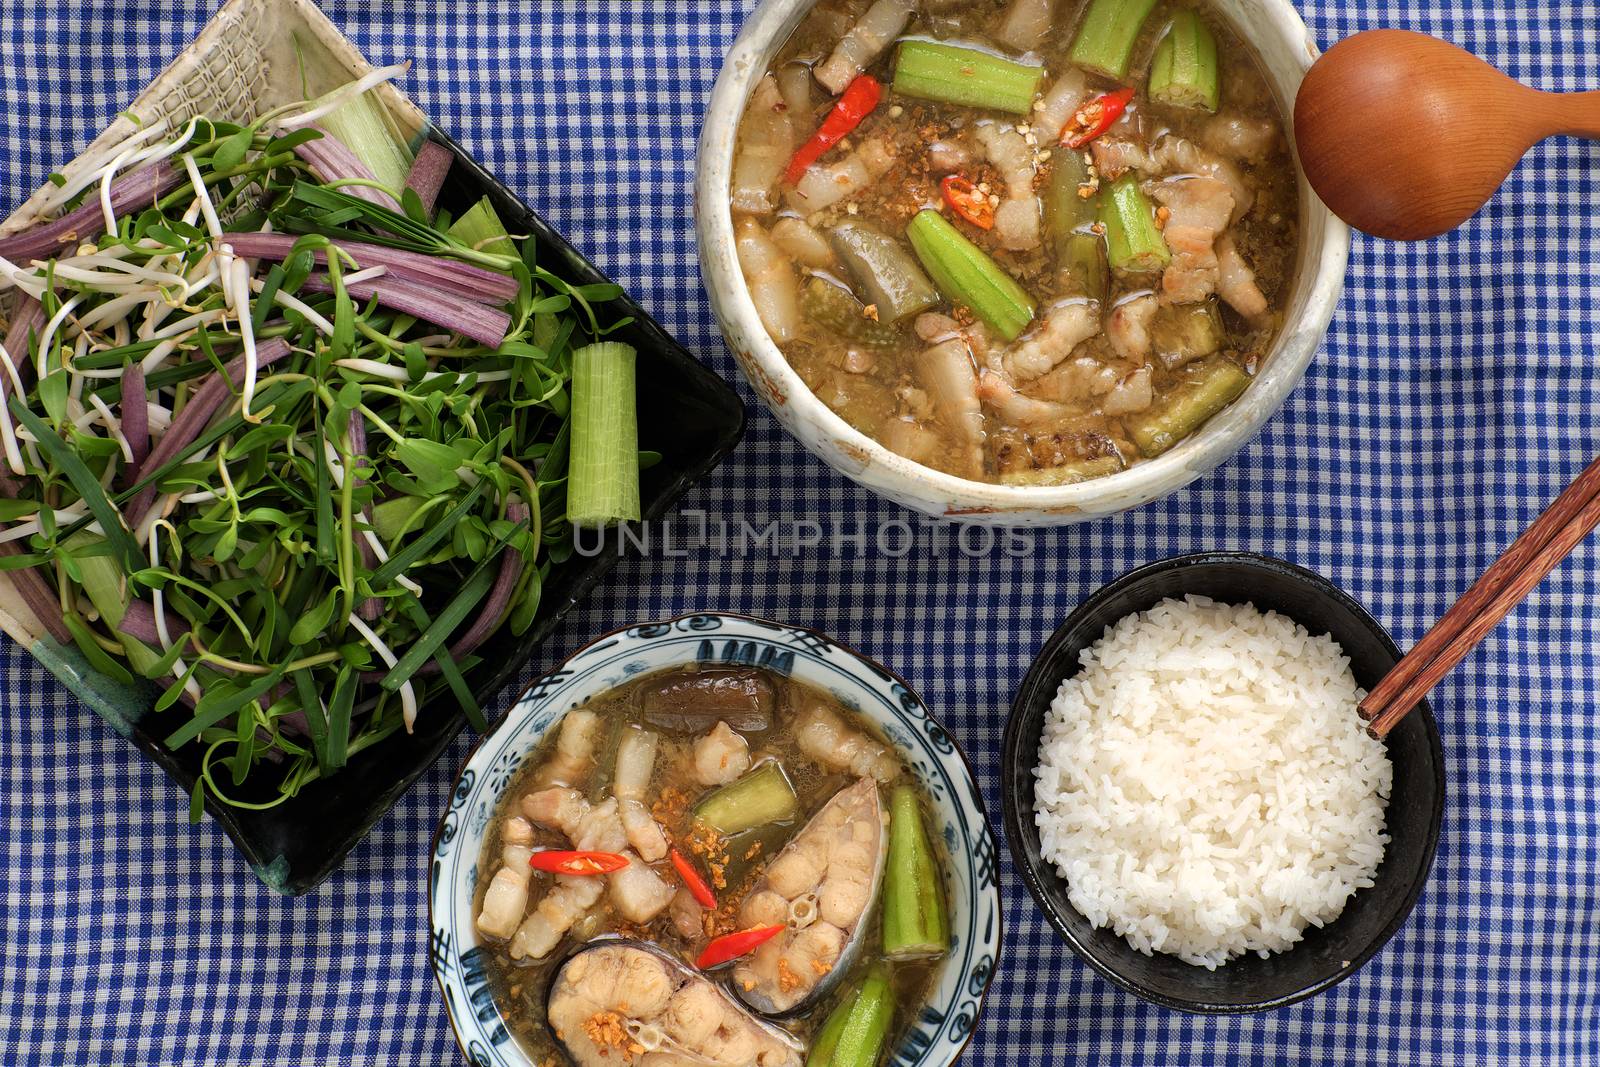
(1287, 50)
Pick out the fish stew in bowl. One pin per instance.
(1020, 242)
(712, 865)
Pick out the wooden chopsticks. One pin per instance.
(1551, 538)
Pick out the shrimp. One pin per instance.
(687, 915)
(947, 156)
(766, 141)
(1024, 24)
(1064, 327)
(947, 372)
(574, 755)
(1128, 325)
(1016, 221)
(720, 756)
(823, 735)
(772, 281)
(1013, 407)
(569, 899)
(1200, 208)
(1173, 155)
(1236, 282)
(825, 184)
(1243, 138)
(1059, 103)
(592, 827)
(1133, 393)
(804, 244)
(636, 758)
(865, 41)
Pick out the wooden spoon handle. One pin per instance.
(1577, 114)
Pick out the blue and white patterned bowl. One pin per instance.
(946, 1021)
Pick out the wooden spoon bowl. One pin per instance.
(1406, 136)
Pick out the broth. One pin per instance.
(1114, 362)
(698, 760)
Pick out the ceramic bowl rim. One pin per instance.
(1012, 811)
(869, 463)
(998, 889)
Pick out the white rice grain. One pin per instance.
(1205, 786)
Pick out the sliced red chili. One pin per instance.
(965, 200)
(579, 863)
(1096, 117)
(732, 946)
(858, 100)
(692, 881)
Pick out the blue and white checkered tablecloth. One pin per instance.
(1456, 394)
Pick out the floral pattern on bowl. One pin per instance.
(940, 1032)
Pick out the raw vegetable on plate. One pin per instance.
(286, 439)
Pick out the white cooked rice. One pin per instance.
(1205, 786)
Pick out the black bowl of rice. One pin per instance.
(1192, 799)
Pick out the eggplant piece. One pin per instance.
(613, 994)
(886, 275)
(1183, 333)
(694, 701)
(823, 886)
(763, 796)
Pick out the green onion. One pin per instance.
(447, 665)
(424, 647)
(1184, 72)
(86, 484)
(98, 658)
(316, 717)
(914, 922)
(968, 76)
(967, 276)
(603, 477)
(401, 560)
(1105, 41)
(1133, 243)
(219, 703)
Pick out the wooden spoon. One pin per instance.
(1406, 136)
